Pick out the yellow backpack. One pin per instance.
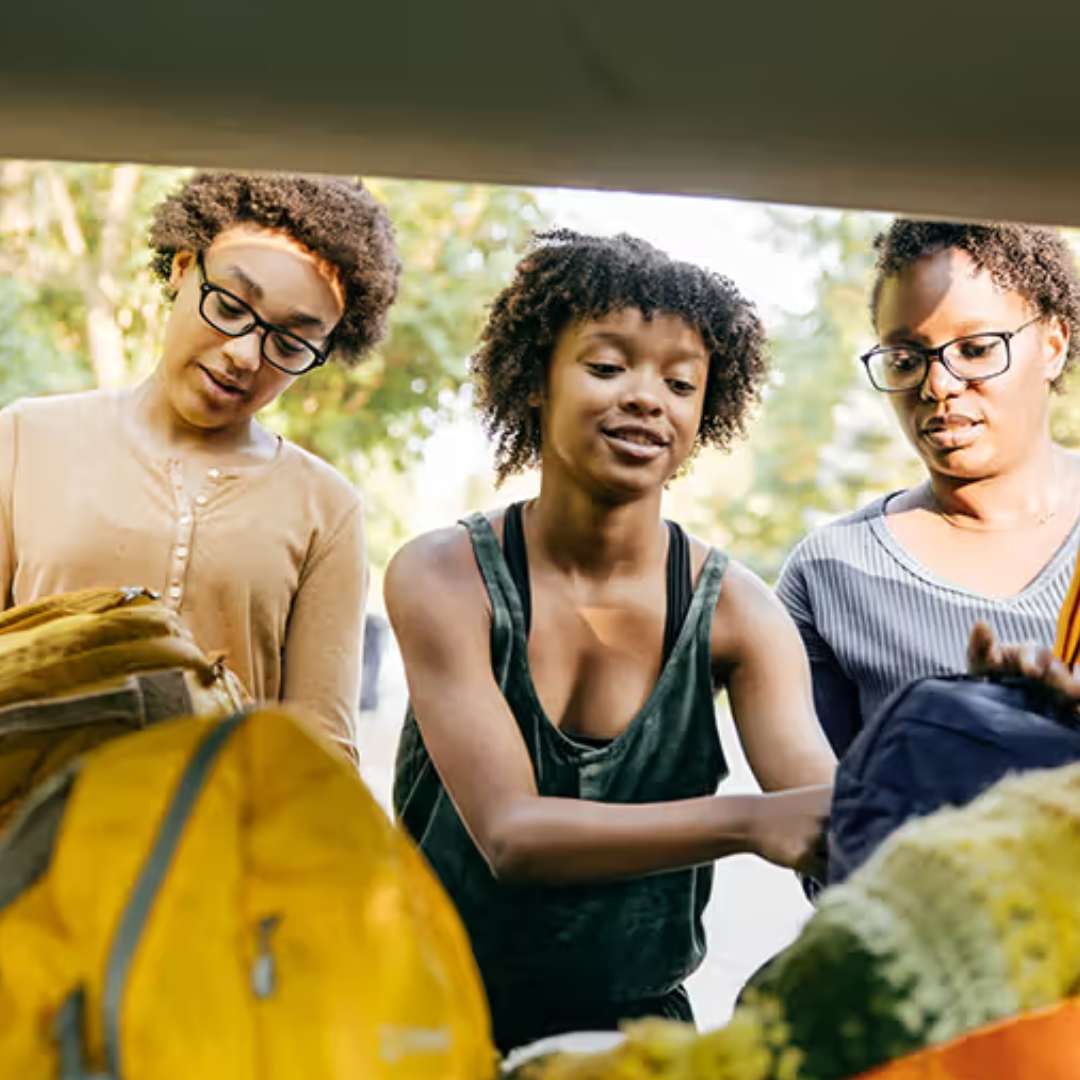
(224, 900)
(79, 669)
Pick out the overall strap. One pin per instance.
(680, 586)
(517, 559)
(680, 582)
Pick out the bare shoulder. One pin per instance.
(740, 587)
(744, 593)
(745, 606)
(435, 569)
(748, 614)
(437, 552)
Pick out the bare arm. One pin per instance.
(323, 638)
(440, 615)
(757, 652)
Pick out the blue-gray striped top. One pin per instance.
(873, 618)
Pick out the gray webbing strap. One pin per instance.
(133, 921)
(68, 1031)
(26, 845)
(140, 701)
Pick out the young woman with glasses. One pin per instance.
(176, 486)
(977, 326)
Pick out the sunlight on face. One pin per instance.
(215, 381)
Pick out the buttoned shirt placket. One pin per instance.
(183, 537)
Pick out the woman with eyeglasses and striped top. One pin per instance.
(977, 326)
(175, 485)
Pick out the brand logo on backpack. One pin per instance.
(397, 1043)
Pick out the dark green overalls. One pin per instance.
(581, 957)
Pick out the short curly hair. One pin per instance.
(1033, 261)
(568, 277)
(336, 219)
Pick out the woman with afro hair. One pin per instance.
(560, 757)
(977, 327)
(176, 486)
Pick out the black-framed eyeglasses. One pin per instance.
(229, 315)
(971, 358)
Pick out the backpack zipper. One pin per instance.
(264, 970)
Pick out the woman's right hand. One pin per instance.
(1037, 664)
(788, 828)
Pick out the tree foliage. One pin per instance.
(74, 237)
(458, 245)
(30, 363)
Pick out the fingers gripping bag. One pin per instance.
(939, 742)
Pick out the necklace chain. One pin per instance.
(1044, 517)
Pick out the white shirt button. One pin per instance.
(200, 500)
(214, 474)
(185, 519)
(181, 552)
(174, 591)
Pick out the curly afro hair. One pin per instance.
(567, 277)
(1030, 260)
(336, 219)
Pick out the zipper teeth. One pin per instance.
(264, 970)
(263, 984)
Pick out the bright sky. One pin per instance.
(721, 234)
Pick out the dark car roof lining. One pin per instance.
(922, 108)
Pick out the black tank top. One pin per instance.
(680, 586)
(680, 581)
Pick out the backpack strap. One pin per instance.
(68, 1032)
(140, 701)
(27, 846)
(133, 921)
(69, 1026)
(1067, 641)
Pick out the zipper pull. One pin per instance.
(263, 971)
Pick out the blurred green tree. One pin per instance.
(458, 245)
(73, 237)
(824, 442)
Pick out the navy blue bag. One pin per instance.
(940, 742)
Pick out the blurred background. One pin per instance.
(78, 310)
